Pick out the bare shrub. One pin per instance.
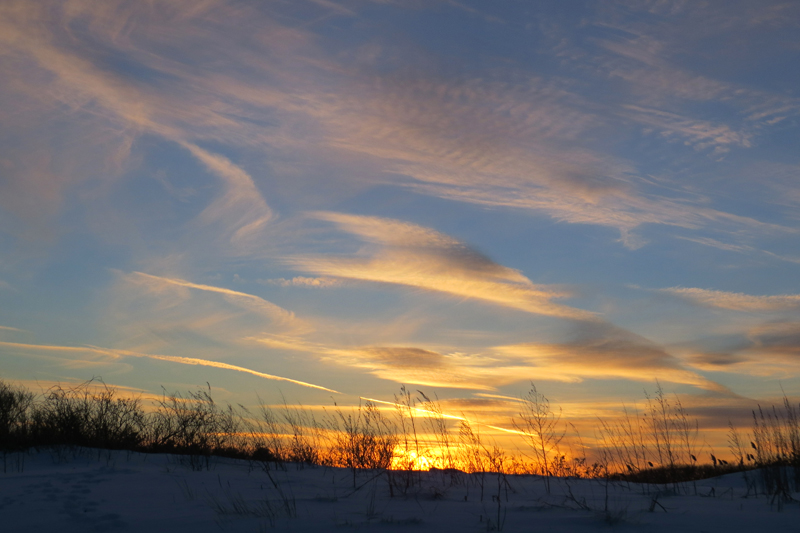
(362, 439)
(86, 415)
(305, 443)
(195, 426)
(656, 445)
(264, 437)
(623, 440)
(15, 411)
(776, 452)
(662, 428)
(15, 405)
(543, 430)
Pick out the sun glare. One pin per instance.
(424, 459)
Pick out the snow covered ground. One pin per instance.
(91, 490)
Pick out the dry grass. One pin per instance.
(653, 445)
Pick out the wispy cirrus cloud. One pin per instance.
(714, 243)
(702, 133)
(501, 145)
(517, 142)
(736, 301)
(498, 145)
(109, 106)
(241, 207)
(648, 54)
(157, 314)
(402, 253)
(242, 299)
(302, 281)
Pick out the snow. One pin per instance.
(86, 490)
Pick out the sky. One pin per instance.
(328, 199)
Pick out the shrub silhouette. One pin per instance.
(89, 416)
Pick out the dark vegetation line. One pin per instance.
(655, 446)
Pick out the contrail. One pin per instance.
(170, 358)
(49, 347)
(214, 364)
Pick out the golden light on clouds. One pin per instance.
(411, 255)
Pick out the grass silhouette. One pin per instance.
(654, 446)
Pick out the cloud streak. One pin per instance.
(414, 256)
(404, 364)
(107, 100)
(303, 281)
(241, 197)
(735, 301)
(779, 339)
(599, 351)
(605, 352)
(770, 349)
(426, 367)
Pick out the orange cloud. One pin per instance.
(410, 255)
(601, 351)
(576, 362)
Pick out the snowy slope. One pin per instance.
(90, 490)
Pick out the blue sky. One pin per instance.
(462, 197)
